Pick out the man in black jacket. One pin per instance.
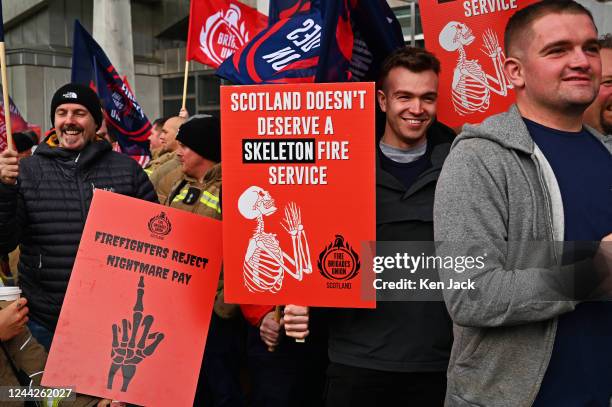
(44, 200)
(396, 354)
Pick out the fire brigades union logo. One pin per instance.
(160, 225)
(338, 261)
(223, 34)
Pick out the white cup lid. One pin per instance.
(9, 293)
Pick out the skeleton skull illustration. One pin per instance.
(255, 202)
(455, 35)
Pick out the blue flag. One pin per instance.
(1, 23)
(124, 116)
(281, 9)
(376, 33)
(317, 41)
(285, 52)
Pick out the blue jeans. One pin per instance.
(41, 334)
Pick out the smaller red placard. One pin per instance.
(136, 313)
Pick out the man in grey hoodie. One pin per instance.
(510, 188)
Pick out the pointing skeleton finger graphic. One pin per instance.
(132, 342)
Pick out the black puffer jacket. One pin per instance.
(45, 213)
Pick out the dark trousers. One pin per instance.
(291, 376)
(219, 381)
(349, 386)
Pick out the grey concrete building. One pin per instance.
(38, 35)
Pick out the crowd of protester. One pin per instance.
(542, 171)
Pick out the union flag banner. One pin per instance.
(217, 28)
(18, 123)
(468, 38)
(298, 193)
(136, 313)
(317, 41)
(123, 115)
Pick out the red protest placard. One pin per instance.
(298, 192)
(468, 38)
(136, 313)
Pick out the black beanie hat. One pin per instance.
(81, 95)
(202, 134)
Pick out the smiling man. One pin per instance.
(396, 354)
(44, 200)
(599, 114)
(524, 336)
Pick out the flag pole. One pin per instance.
(187, 54)
(185, 84)
(5, 93)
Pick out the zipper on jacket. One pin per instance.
(549, 213)
(81, 193)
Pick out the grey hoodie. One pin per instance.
(496, 187)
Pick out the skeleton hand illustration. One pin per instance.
(132, 342)
(491, 43)
(264, 261)
(293, 226)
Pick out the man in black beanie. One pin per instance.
(44, 200)
(199, 191)
(199, 141)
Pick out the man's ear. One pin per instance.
(382, 100)
(513, 68)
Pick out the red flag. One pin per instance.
(18, 123)
(217, 28)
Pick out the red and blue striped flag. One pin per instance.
(317, 41)
(124, 116)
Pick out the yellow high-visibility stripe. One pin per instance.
(206, 198)
(211, 197)
(181, 195)
(211, 201)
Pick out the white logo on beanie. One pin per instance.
(70, 95)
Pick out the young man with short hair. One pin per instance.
(396, 354)
(512, 187)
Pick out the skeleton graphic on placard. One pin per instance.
(472, 86)
(265, 263)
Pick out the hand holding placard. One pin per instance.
(296, 320)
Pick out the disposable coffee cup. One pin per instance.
(9, 293)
